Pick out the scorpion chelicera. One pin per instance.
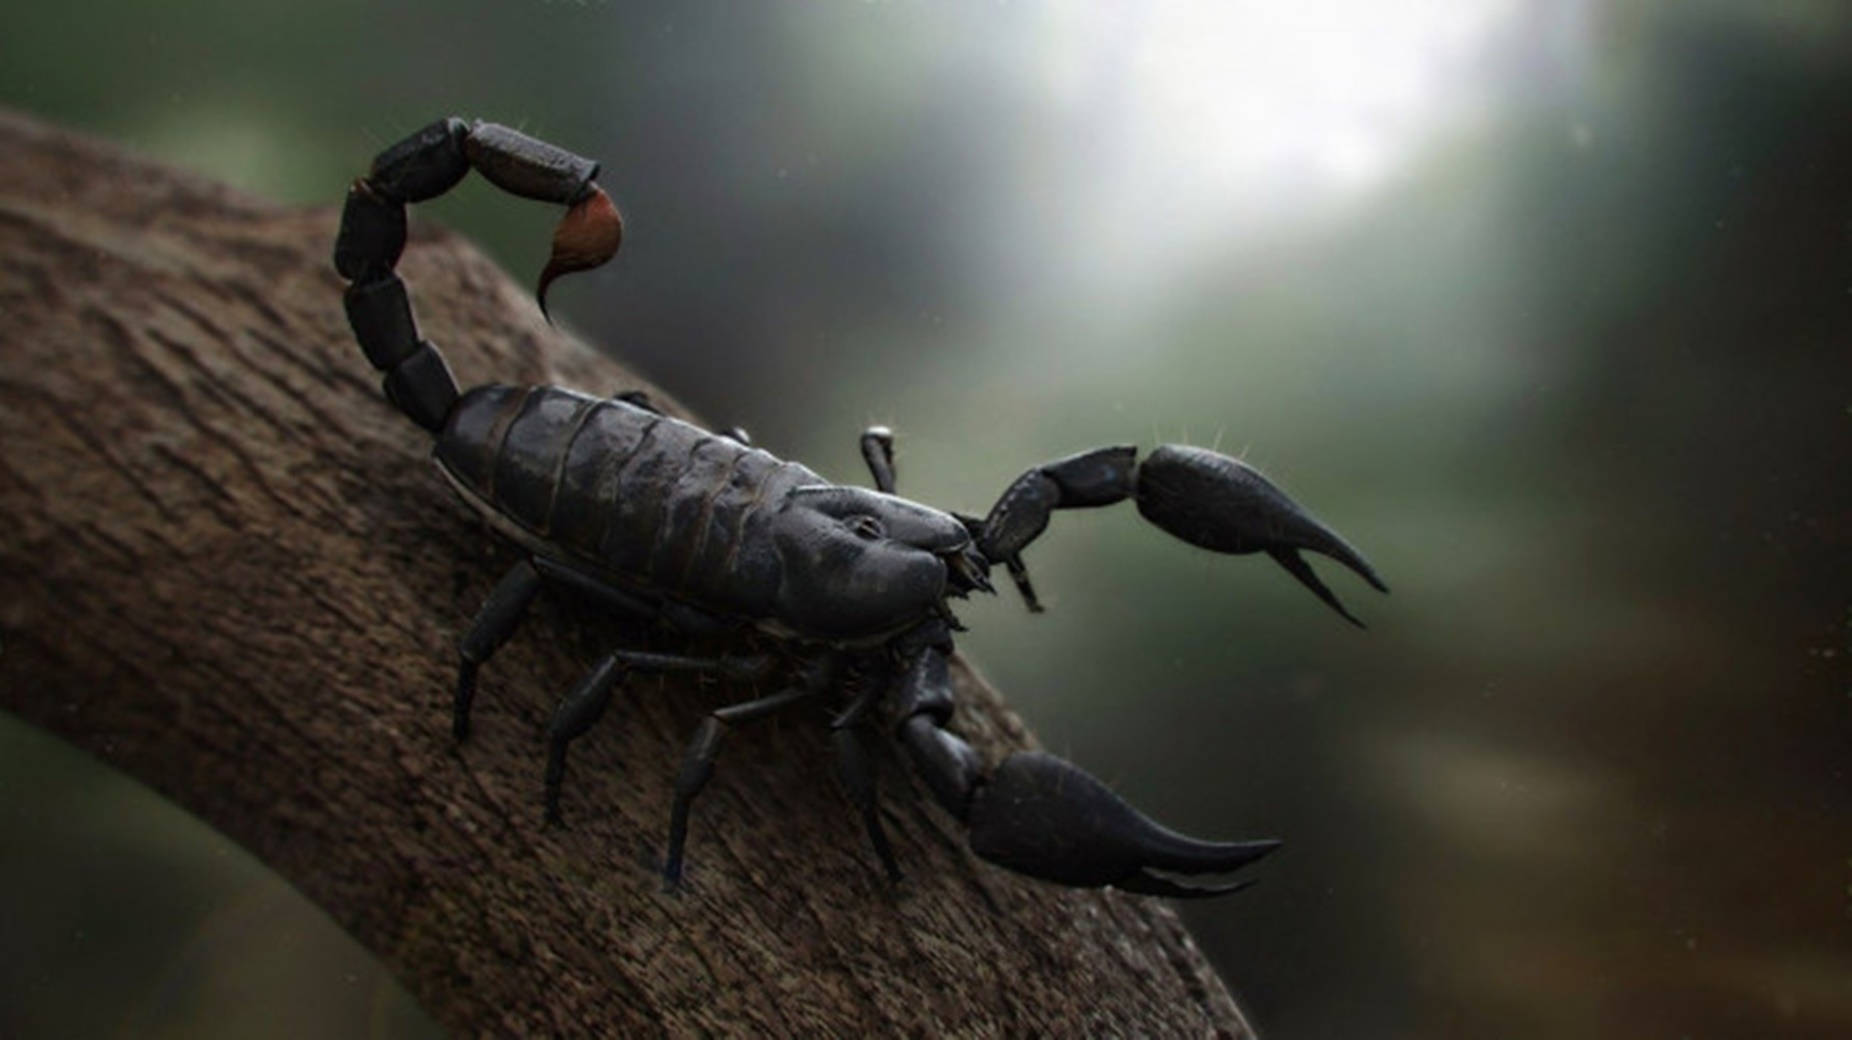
(661, 519)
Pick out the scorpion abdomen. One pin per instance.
(622, 491)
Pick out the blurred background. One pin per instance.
(1545, 305)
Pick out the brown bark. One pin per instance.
(228, 569)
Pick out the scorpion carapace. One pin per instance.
(660, 519)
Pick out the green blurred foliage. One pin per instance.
(1572, 370)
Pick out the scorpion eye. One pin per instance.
(866, 526)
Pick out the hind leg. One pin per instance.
(856, 768)
(586, 702)
(494, 623)
(505, 607)
(698, 762)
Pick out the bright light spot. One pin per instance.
(1201, 115)
(235, 144)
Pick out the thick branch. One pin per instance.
(228, 569)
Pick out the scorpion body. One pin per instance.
(661, 519)
(642, 501)
(621, 490)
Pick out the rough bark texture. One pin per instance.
(228, 568)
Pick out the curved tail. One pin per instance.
(424, 166)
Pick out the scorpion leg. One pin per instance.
(704, 747)
(503, 610)
(678, 616)
(582, 706)
(855, 764)
(492, 626)
(607, 595)
(587, 700)
(878, 452)
(1043, 816)
(1205, 498)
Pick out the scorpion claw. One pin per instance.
(1046, 817)
(1223, 504)
(967, 566)
(587, 236)
(1146, 883)
(1296, 566)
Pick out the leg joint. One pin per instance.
(950, 767)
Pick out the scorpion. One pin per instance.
(662, 520)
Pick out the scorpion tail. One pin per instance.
(423, 166)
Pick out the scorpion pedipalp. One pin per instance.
(1044, 816)
(1223, 504)
(1203, 497)
(1041, 815)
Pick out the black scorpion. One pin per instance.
(661, 519)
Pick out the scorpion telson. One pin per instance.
(660, 519)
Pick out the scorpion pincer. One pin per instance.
(663, 520)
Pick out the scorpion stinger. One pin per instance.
(587, 236)
(834, 594)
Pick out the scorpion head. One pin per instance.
(859, 564)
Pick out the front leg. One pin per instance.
(1205, 498)
(878, 452)
(1045, 817)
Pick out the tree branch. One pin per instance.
(229, 570)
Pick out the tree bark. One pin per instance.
(228, 569)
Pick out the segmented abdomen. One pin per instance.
(639, 496)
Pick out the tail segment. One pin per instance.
(424, 166)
